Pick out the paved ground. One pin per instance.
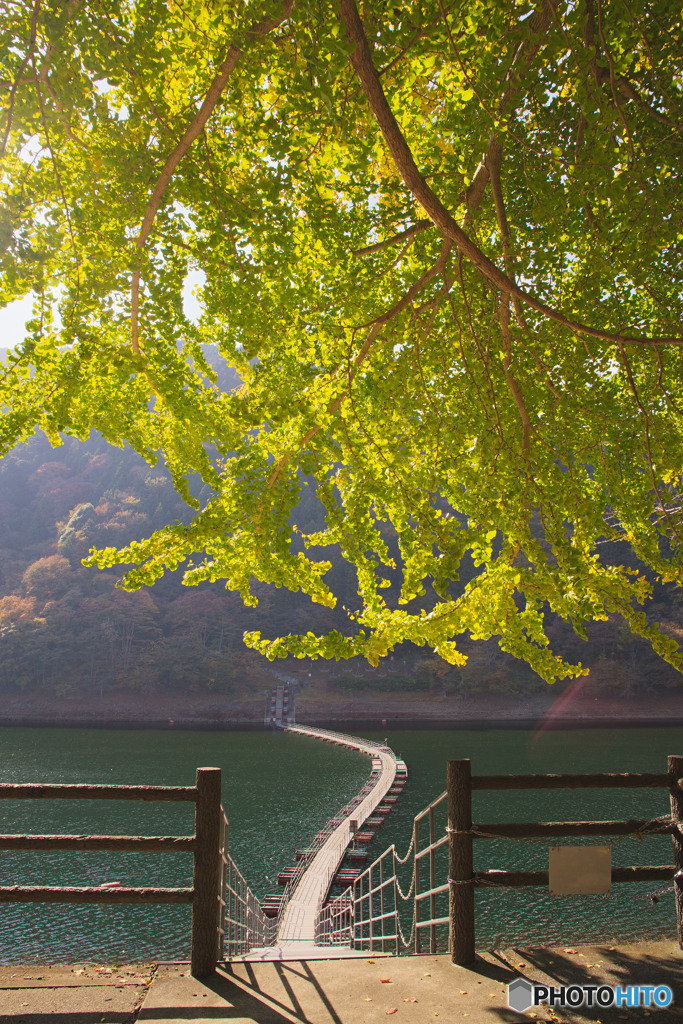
(413, 990)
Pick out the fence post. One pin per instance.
(460, 861)
(676, 770)
(381, 898)
(207, 869)
(397, 919)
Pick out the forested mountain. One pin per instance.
(66, 629)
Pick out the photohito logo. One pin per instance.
(522, 995)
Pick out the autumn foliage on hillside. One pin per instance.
(66, 629)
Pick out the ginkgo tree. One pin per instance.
(442, 244)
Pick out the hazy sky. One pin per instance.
(13, 317)
(12, 320)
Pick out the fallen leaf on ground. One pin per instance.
(410, 999)
(369, 961)
(394, 1009)
(463, 991)
(521, 965)
(571, 951)
(385, 981)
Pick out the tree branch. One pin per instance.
(375, 328)
(524, 53)
(257, 31)
(432, 205)
(15, 84)
(627, 89)
(44, 77)
(415, 229)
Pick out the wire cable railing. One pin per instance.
(243, 925)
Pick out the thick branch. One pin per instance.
(414, 229)
(432, 205)
(257, 31)
(627, 89)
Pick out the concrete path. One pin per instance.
(298, 922)
(81, 994)
(420, 989)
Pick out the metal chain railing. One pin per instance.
(355, 918)
(403, 860)
(405, 896)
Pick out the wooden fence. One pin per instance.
(205, 894)
(463, 878)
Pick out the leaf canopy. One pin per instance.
(441, 243)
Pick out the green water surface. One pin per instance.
(278, 790)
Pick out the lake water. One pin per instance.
(278, 790)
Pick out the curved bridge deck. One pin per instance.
(297, 929)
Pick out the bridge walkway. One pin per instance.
(296, 935)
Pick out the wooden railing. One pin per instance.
(205, 845)
(463, 879)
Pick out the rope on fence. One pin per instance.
(411, 937)
(402, 860)
(651, 827)
(492, 884)
(407, 895)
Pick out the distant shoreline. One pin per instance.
(341, 725)
(570, 708)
